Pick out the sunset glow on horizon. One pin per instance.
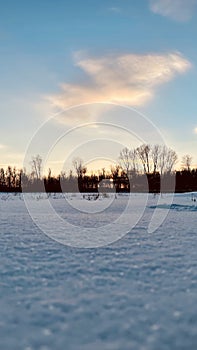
(135, 54)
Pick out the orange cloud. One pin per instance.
(130, 79)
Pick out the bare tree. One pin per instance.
(14, 177)
(103, 172)
(125, 160)
(171, 160)
(186, 162)
(49, 174)
(79, 167)
(155, 152)
(134, 160)
(36, 165)
(167, 160)
(129, 161)
(144, 154)
(2, 177)
(115, 171)
(9, 177)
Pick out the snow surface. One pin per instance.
(138, 293)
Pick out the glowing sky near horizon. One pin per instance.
(56, 55)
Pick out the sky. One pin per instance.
(108, 56)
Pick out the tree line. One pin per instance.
(147, 168)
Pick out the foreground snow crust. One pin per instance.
(138, 293)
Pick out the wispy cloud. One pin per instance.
(130, 79)
(195, 130)
(12, 158)
(2, 146)
(115, 9)
(178, 10)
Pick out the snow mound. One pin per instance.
(177, 207)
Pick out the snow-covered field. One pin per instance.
(139, 292)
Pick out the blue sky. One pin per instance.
(58, 54)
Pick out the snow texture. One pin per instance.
(137, 293)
